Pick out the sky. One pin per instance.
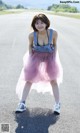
(41, 4)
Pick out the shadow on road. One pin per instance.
(35, 120)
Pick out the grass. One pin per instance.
(13, 11)
(71, 15)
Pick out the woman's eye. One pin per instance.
(37, 23)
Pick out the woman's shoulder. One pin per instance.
(55, 33)
(31, 35)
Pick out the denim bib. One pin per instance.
(45, 48)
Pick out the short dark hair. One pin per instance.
(41, 17)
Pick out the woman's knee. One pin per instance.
(28, 83)
(54, 82)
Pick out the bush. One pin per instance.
(19, 6)
(62, 8)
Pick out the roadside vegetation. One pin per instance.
(4, 6)
(63, 8)
(56, 9)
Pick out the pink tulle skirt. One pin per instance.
(39, 67)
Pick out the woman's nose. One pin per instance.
(39, 25)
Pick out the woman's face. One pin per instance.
(39, 25)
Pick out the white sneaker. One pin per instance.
(57, 108)
(21, 107)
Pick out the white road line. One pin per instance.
(13, 44)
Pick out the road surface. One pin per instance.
(39, 118)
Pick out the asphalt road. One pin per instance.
(39, 117)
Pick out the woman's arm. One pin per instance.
(55, 36)
(30, 42)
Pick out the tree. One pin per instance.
(4, 6)
(19, 6)
(1, 2)
(62, 8)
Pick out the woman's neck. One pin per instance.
(42, 32)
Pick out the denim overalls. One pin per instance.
(48, 48)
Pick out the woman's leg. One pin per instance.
(26, 90)
(55, 90)
(21, 106)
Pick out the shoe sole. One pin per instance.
(56, 113)
(20, 111)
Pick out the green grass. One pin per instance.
(13, 11)
(71, 15)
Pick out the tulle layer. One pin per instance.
(42, 67)
(37, 67)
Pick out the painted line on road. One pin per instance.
(13, 44)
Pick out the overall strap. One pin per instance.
(50, 36)
(35, 38)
